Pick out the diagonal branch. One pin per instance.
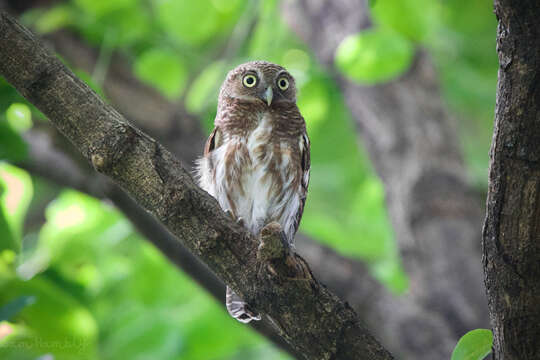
(313, 320)
(68, 173)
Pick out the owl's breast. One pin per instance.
(255, 176)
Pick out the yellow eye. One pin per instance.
(283, 83)
(249, 80)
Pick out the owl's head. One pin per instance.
(259, 81)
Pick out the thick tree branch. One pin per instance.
(70, 173)
(412, 143)
(512, 227)
(309, 317)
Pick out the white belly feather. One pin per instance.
(257, 204)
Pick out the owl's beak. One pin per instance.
(268, 95)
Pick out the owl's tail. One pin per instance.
(238, 308)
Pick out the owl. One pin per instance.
(256, 160)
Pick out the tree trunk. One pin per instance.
(511, 237)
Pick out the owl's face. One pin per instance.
(260, 81)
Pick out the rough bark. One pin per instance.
(511, 238)
(278, 284)
(412, 143)
(69, 173)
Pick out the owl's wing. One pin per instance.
(305, 166)
(204, 166)
(214, 141)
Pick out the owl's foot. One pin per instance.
(239, 309)
(274, 244)
(279, 256)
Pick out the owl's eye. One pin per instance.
(249, 80)
(283, 83)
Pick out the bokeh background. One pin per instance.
(78, 282)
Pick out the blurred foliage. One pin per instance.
(375, 55)
(474, 345)
(77, 282)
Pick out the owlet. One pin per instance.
(256, 160)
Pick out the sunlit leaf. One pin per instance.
(55, 18)
(102, 7)
(192, 22)
(17, 191)
(313, 102)
(68, 239)
(227, 6)
(474, 345)
(374, 55)
(120, 29)
(296, 60)
(415, 19)
(162, 69)
(19, 117)
(390, 272)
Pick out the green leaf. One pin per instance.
(12, 146)
(192, 22)
(19, 117)
(14, 200)
(54, 18)
(100, 8)
(162, 69)
(374, 56)
(414, 19)
(64, 327)
(313, 102)
(474, 345)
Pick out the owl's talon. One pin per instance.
(273, 244)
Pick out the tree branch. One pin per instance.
(348, 278)
(511, 237)
(69, 173)
(309, 316)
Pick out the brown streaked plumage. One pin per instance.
(256, 160)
